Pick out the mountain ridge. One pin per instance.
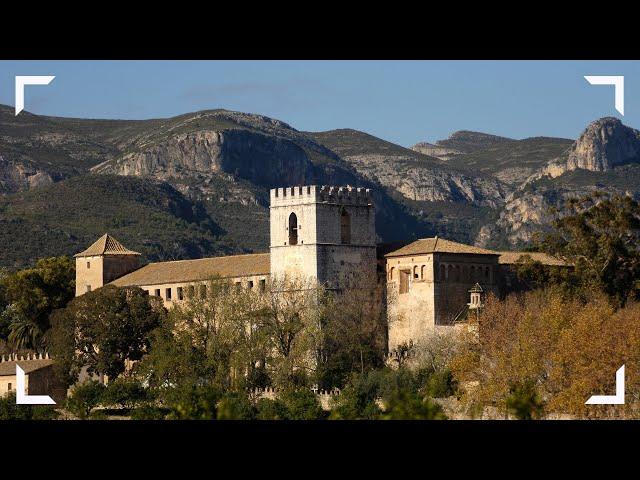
(472, 187)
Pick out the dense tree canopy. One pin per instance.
(27, 298)
(600, 235)
(103, 329)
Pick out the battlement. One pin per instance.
(346, 195)
(13, 357)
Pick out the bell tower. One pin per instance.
(322, 233)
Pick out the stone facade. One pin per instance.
(326, 234)
(429, 291)
(39, 378)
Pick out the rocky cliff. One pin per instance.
(471, 187)
(604, 145)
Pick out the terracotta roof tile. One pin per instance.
(182, 271)
(510, 258)
(438, 245)
(106, 245)
(8, 368)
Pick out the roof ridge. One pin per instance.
(206, 258)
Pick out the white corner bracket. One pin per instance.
(617, 399)
(22, 80)
(618, 85)
(24, 399)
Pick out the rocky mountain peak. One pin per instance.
(604, 144)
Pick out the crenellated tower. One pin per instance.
(323, 233)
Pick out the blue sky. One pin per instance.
(400, 101)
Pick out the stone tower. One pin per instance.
(103, 262)
(323, 233)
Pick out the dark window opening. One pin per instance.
(88, 265)
(179, 292)
(404, 280)
(250, 284)
(167, 294)
(263, 285)
(203, 291)
(157, 292)
(293, 229)
(9, 387)
(345, 227)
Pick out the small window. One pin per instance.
(415, 272)
(157, 292)
(345, 228)
(293, 229)
(203, 291)
(263, 285)
(179, 293)
(88, 288)
(167, 294)
(250, 284)
(88, 265)
(9, 387)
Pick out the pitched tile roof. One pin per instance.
(509, 258)
(106, 245)
(8, 368)
(438, 245)
(182, 271)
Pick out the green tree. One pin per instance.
(192, 402)
(9, 410)
(125, 393)
(407, 405)
(301, 404)
(358, 400)
(524, 402)
(600, 235)
(268, 409)
(29, 296)
(84, 398)
(353, 332)
(235, 406)
(105, 328)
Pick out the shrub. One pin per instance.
(84, 398)
(235, 406)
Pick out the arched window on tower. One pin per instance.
(345, 227)
(293, 229)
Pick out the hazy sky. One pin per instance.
(401, 101)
